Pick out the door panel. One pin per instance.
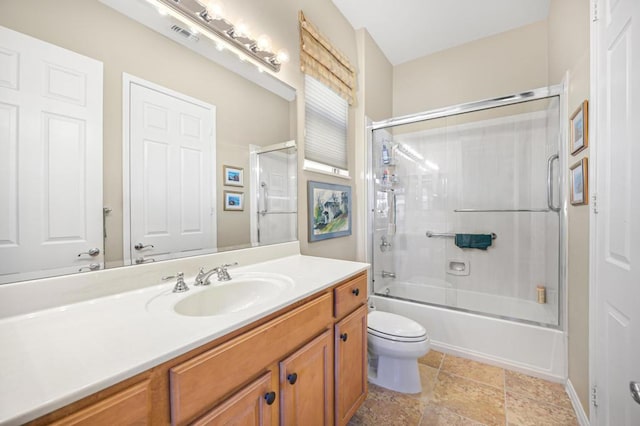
(51, 157)
(173, 195)
(617, 226)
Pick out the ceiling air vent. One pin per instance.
(184, 33)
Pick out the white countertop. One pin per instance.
(56, 356)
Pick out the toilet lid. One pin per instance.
(394, 327)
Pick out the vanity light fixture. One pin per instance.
(208, 21)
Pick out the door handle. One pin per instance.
(92, 252)
(550, 184)
(634, 387)
(91, 267)
(141, 246)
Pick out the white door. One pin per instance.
(172, 179)
(50, 159)
(617, 250)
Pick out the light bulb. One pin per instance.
(263, 43)
(220, 46)
(215, 9)
(162, 11)
(242, 29)
(282, 56)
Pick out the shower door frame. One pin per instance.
(558, 90)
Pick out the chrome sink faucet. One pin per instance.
(223, 275)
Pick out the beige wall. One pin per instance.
(97, 31)
(506, 63)
(569, 51)
(377, 74)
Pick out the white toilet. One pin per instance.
(395, 344)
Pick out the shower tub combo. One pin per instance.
(487, 172)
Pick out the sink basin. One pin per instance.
(238, 295)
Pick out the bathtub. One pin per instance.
(531, 349)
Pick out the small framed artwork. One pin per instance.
(233, 176)
(580, 128)
(580, 182)
(233, 201)
(329, 210)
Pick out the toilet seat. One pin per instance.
(394, 327)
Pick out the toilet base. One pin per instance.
(396, 374)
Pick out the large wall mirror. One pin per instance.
(119, 145)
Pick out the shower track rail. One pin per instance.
(531, 95)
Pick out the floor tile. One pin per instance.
(435, 415)
(522, 411)
(428, 379)
(487, 374)
(385, 407)
(432, 359)
(537, 389)
(476, 401)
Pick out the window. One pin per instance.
(326, 120)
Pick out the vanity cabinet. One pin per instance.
(303, 365)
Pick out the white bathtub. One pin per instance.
(531, 349)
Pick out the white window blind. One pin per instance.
(325, 125)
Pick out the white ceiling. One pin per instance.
(409, 29)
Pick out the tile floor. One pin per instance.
(458, 391)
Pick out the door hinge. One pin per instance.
(594, 396)
(594, 202)
(595, 11)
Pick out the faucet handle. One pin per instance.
(226, 265)
(180, 286)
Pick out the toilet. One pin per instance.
(395, 344)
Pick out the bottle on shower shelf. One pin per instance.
(386, 158)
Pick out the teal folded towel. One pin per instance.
(476, 241)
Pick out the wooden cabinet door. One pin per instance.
(251, 406)
(306, 384)
(351, 364)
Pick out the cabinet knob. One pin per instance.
(344, 337)
(270, 397)
(356, 291)
(292, 378)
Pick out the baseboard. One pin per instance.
(583, 419)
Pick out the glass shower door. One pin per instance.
(464, 212)
(276, 195)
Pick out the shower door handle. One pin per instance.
(550, 184)
(265, 200)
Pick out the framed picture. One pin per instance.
(233, 201)
(579, 182)
(233, 176)
(329, 210)
(580, 128)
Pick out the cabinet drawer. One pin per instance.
(198, 384)
(131, 406)
(350, 295)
